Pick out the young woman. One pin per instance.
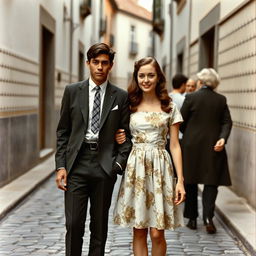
(148, 197)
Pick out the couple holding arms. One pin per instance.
(88, 158)
(90, 153)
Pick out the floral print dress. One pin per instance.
(146, 192)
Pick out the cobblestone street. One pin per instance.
(36, 227)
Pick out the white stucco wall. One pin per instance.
(162, 45)
(123, 61)
(19, 29)
(17, 32)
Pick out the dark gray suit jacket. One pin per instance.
(73, 125)
(206, 120)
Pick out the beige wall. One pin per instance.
(237, 68)
(201, 8)
(20, 45)
(236, 64)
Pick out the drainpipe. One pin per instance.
(171, 36)
(189, 35)
(71, 40)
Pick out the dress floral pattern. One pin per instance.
(146, 192)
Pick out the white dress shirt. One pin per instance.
(90, 136)
(178, 99)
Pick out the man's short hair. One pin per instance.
(100, 48)
(178, 80)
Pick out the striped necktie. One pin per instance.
(95, 124)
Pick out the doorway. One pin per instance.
(207, 49)
(46, 118)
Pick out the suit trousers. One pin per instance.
(209, 196)
(87, 181)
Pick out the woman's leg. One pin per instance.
(158, 242)
(140, 247)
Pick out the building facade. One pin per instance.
(130, 34)
(219, 34)
(43, 45)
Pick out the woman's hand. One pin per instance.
(179, 193)
(120, 136)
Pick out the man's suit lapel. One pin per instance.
(109, 99)
(84, 100)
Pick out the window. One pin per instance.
(133, 43)
(158, 19)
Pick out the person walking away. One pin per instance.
(206, 128)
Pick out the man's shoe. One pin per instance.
(210, 228)
(192, 224)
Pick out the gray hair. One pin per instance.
(209, 77)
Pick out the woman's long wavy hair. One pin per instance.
(135, 93)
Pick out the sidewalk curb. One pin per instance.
(235, 232)
(16, 191)
(233, 211)
(238, 216)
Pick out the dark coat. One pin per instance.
(73, 125)
(206, 120)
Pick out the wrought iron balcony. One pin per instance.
(133, 48)
(85, 8)
(158, 26)
(103, 26)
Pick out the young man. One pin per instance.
(87, 157)
(179, 87)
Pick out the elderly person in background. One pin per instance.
(206, 128)
(190, 85)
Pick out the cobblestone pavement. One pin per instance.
(36, 227)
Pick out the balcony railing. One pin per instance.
(103, 26)
(158, 20)
(85, 8)
(158, 26)
(133, 48)
(112, 40)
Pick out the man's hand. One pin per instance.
(219, 146)
(120, 136)
(61, 179)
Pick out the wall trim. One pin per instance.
(238, 44)
(239, 75)
(19, 70)
(238, 28)
(238, 126)
(236, 10)
(237, 60)
(7, 114)
(244, 125)
(15, 55)
(242, 107)
(17, 82)
(238, 91)
(209, 20)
